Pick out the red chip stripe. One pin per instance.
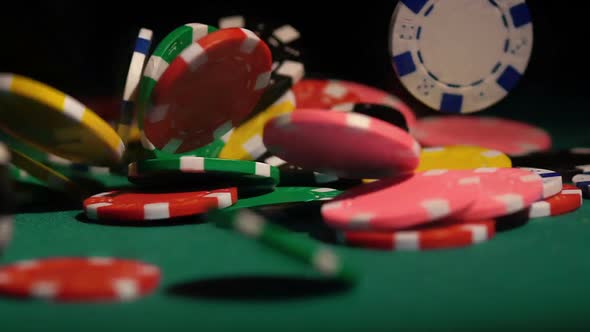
(79, 279)
(138, 206)
(568, 200)
(310, 93)
(435, 236)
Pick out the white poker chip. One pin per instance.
(552, 181)
(460, 56)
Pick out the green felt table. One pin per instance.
(536, 276)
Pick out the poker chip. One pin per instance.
(324, 94)
(378, 111)
(6, 199)
(322, 258)
(47, 175)
(245, 141)
(136, 205)
(370, 95)
(68, 129)
(460, 56)
(284, 43)
(22, 176)
(192, 170)
(215, 83)
(582, 181)
(568, 200)
(444, 235)
(419, 198)
(502, 191)
(127, 112)
(461, 157)
(165, 52)
(552, 182)
(347, 145)
(284, 195)
(567, 162)
(293, 175)
(508, 136)
(79, 279)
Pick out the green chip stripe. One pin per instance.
(322, 258)
(20, 175)
(49, 176)
(196, 164)
(281, 195)
(166, 51)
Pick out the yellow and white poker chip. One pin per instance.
(245, 142)
(55, 122)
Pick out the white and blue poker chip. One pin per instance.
(582, 181)
(140, 53)
(460, 56)
(552, 181)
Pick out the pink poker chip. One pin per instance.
(503, 191)
(368, 94)
(509, 136)
(343, 144)
(396, 203)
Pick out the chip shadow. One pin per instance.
(257, 288)
(190, 220)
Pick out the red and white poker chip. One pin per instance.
(568, 200)
(79, 279)
(440, 235)
(140, 206)
(209, 88)
(371, 95)
(324, 94)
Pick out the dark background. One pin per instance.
(84, 48)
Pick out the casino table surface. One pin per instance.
(534, 276)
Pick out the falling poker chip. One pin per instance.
(325, 141)
(165, 52)
(127, 116)
(186, 94)
(460, 56)
(245, 141)
(68, 129)
(371, 95)
(379, 111)
(6, 199)
(508, 136)
(284, 42)
(321, 258)
(325, 94)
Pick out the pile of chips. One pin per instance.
(219, 124)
